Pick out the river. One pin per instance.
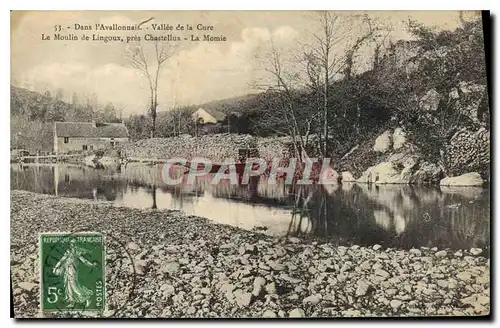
(399, 216)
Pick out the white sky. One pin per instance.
(199, 72)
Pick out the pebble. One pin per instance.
(382, 273)
(475, 251)
(277, 266)
(264, 267)
(271, 288)
(391, 291)
(476, 299)
(167, 289)
(258, 285)
(464, 276)
(341, 250)
(376, 247)
(170, 267)
(440, 254)
(363, 287)
(415, 252)
(395, 304)
(269, 314)
(27, 286)
(313, 299)
(132, 246)
(442, 283)
(365, 265)
(140, 267)
(294, 240)
(243, 299)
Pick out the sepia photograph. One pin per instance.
(250, 164)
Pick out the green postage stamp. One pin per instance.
(72, 272)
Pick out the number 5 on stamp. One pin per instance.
(72, 272)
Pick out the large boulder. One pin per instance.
(383, 142)
(467, 179)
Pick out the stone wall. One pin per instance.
(271, 147)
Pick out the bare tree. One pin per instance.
(322, 61)
(306, 75)
(282, 97)
(139, 58)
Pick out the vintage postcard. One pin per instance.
(250, 164)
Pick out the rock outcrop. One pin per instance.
(469, 151)
(398, 138)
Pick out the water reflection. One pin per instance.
(392, 215)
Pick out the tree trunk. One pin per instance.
(154, 206)
(153, 117)
(358, 118)
(325, 114)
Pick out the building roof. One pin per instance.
(89, 130)
(219, 116)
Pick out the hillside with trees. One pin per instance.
(432, 86)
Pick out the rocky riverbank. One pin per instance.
(166, 264)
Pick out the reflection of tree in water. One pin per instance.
(394, 216)
(67, 180)
(320, 213)
(39, 179)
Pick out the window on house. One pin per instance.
(84, 147)
(66, 139)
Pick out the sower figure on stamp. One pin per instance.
(68, 267)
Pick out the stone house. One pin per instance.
(83, 136)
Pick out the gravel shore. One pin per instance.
(166, 264)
